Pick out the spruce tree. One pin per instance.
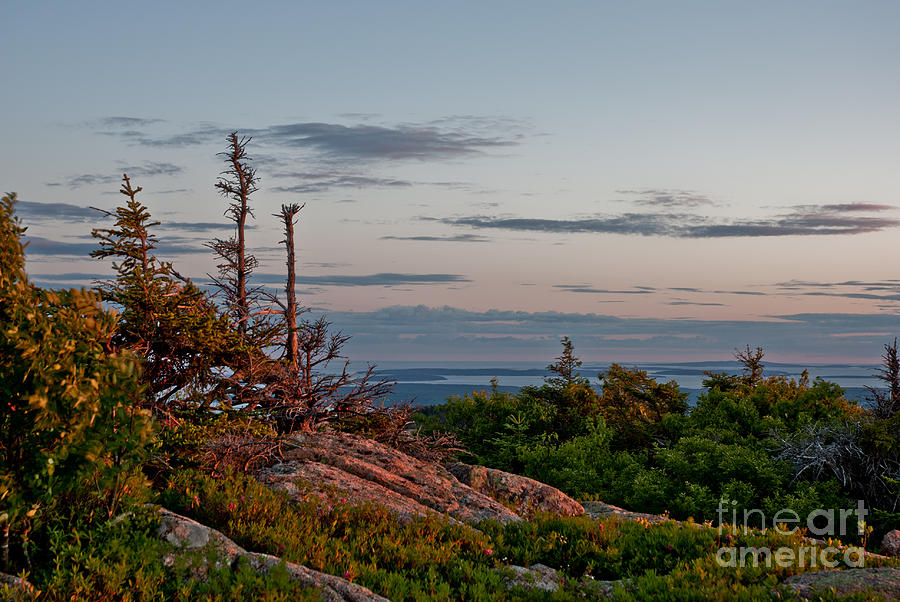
(165, 319)
(237, 183)
(565, 367)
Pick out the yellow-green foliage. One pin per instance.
(638, 445)
(428, 559)
(68, 426)
(122, 560)
(192, 428)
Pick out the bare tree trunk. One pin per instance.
(241, 214)
(288, 213)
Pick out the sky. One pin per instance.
(660, 181)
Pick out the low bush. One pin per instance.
(122, 560)
(70, 434)
(428, 559)
(637, 444)
(432, 559)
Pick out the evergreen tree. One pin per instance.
(565, 367)
(635, 405)
(237, 183)
(165, 319)
(887, 399)
(753, 367)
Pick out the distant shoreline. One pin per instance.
(431, 383)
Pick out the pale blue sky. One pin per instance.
(659, 180)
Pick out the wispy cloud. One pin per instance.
(320, 181)
(869, 284)
(126, 122)
(697, 303)
(808, 220)
(448, 138)
(73, 277)
(37, 245)
(199, 226)
(844, 208)
(879, 290)
(70, 279)
(580, 288)
(850, 295)
(168, 247)
(31, 210)
(751, 293)
(146, 170)
(667, 199)
(332, 147)
(360, 116)
(381, 279)
(456, 238)
(378, 142)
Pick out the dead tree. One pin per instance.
(309, 394)
(236, 183)
(288, 216)
(301, 392)
(838, 450)
(254, 320)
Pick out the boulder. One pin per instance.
(890, 543)
(525, 495)
(196, 544)
(363, 470)
(600, 510)
(537, 576)
(884, 581)
(601, 590)
(287, 475)
(545, 578)
(187, 534)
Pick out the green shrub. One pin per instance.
(574, 466)
(493, 425)
(635, 406)
(122, 560)
(427, 559)
(665, 561)
(70, 432)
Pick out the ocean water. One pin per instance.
(430, 383)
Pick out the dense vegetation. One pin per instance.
(766, 443)
(171, 395)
